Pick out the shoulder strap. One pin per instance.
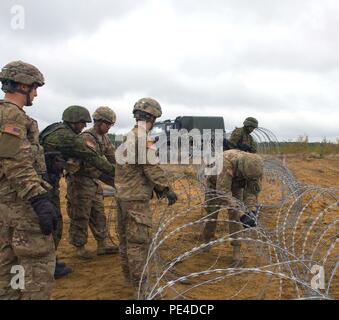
(50, 129)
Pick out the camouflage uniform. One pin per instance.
(60, 141)
(241, 137)
(21, 240)
(37, 150)
(135, 184)
(85, 200)
(240, 179)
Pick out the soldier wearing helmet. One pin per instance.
(65, 150)
(21, 80)
(27, 216)
(85, 199)
(135, 183)
(237, 186)
(241, 137)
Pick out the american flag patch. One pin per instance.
(15, 131)
(90, 144)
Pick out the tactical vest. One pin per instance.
(50, 129)
(55, 162)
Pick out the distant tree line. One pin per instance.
(301, 145)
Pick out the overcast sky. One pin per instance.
(276, 60)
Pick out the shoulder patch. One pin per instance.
(13, 130)
(9, 145)
(90, 144)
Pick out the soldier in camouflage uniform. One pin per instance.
(64, 150)
(85, 199)
(241, 137)
(27, 217)
(135, 183)
(240, 180)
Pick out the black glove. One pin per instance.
(244, 147)
(225, 145)
(46, 212)
(158, 193)
(249, 220)
(171, 197)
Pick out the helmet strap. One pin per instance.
(27, 94)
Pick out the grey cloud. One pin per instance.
(49, 106)
(195, 86)
(246, 10)
(49, 21)
(95, 80)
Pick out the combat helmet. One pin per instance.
(147, 106)
(75, 114)
(251, 122)
(104, 114)
(21, 72)
(250, 165)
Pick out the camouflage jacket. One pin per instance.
(240, 137)
(20, 153)
(60, 137)
(137, 181)
(37, 150)
(230, 179)
(101, 145)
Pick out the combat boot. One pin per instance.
(83, 253)
(103, 248)
(61, 271)
(60, 264)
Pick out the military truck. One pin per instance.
(189, 123)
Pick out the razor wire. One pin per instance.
(297, 230)
(275, 251)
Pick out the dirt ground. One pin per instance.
(102, 278)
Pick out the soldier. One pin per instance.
(240, 180)
(85, 199)
(64, 149)
(27, 217)
(135, 183)
(241, 137)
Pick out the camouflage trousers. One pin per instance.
(23, 244)
(134, 226)
(212, 210)
(85, 208)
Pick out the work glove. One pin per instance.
(244, 147)
(171, 197)
(249, 220)
(225, 145)
(46, 212)
(159, 194)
